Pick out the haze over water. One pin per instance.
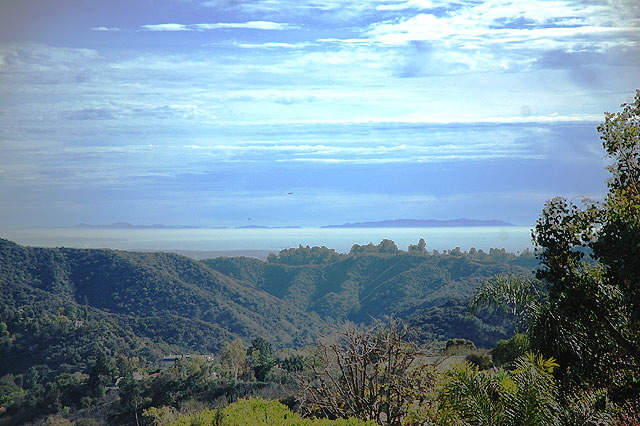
(512, 239)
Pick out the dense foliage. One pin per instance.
(428, 289)
(165, 297)
(524, 396)
(257, 412)
(585, 310)
(590, 261)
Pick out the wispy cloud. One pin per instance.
(404, 5)
(166, 27)
(495, 35)
(256, 25)
(273, 45)
(252, 25)
(104, 29)
(527, 119)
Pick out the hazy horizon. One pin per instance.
(513, 239)
(279, 112)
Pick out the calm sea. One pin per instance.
(512, 239)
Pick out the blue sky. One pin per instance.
(305, 112)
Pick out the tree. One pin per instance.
(293, 363)
(254, 412)
(387, 246)
(590, 262)
(419, 248)
(101, 373)
(458, 347)
(585, 311)
(373, 374)
(507, 351)
(261, 358)
(233, 356)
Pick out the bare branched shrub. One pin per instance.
(372, 374)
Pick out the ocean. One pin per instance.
(513, 239)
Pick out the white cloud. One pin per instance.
(104, 29)
(460, 31)
(553, 118)
(271, 45)
(507, 20)
(254, 25)
(500, 35)
(345, 41)
(165, 27)
(410, 4)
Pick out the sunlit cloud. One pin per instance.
(104, 29)
(253, 25)
(273, 45)
(166, 27)
(410, 4)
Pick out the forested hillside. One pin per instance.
(149, 303)
(166, 298)
(429, 289)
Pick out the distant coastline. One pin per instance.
(423, 223)
(512, 238)
(396, 223)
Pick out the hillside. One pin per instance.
(60, 307)
(428, 289)
(58, 301)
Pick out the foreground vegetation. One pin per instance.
(83, 332)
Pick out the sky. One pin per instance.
(302, 112)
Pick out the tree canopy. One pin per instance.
(590, 262)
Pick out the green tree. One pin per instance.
(293, 363)
(585, 311)
(590, 262)
(233, 357)
(387, 246)
(261, 358)
(101, 373)
(521, 297)
(458, 347)
(507, 351)
(419, 248)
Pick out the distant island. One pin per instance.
(423, 223)
(125, 225)
(396, 223)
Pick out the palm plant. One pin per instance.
(521, 297)
(526, 396)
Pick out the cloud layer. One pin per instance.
(408, 108)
